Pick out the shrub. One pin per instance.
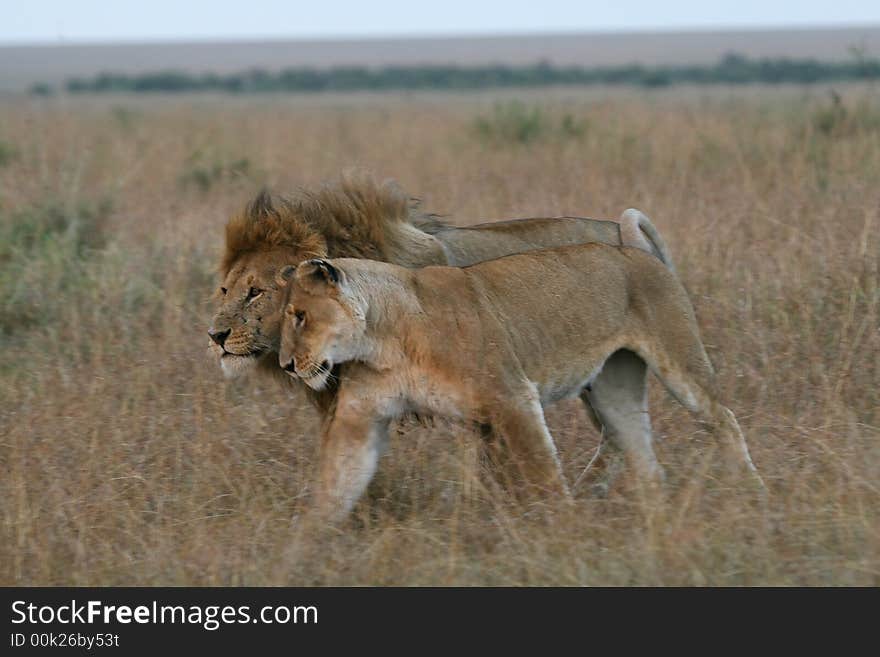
(512, 122)
(125, 117)
(572, 127)
(839, 120)
(41, 89)
(43, 251)
(8, 153)
(204, 171)
(516, 123)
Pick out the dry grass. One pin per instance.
(127, 459)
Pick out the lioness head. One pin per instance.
(323, 322)
(260, 241)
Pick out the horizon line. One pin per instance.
(61, 42)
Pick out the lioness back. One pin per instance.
(557, 309)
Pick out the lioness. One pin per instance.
(355, 217)
(490, 343)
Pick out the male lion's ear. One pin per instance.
(284, 274)
(318, 271)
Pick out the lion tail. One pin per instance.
(637, 230)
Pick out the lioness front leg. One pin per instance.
(351, 444)
(519, 421)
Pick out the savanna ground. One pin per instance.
(127, 459)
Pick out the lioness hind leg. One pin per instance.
(618, 400)
(690, 378)
(521, 425)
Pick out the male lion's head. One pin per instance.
(260, 241)
(353, 217)
(324, 322)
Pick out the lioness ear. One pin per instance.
(318, 270)
(284, 275)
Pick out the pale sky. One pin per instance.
(25, 21)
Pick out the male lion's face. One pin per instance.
(246, 327)
(320, 327)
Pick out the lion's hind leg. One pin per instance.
(618, 401)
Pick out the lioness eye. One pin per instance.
(300, 316)
(254, 292)
(223, 290)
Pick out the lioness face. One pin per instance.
(247, 327)
(320, 327)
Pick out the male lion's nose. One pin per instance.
(219, 336)
(290, 367)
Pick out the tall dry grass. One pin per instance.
(127, 459)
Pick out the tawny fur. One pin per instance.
(489, 344)
(357, 217)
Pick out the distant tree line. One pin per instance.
(730, 69)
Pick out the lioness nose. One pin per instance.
(219, 336)
(290, 367)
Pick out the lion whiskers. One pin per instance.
(318, 369)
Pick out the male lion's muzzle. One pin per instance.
(219, 337)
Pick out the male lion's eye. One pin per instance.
(223, 290)
(300, 317)
(254, 292)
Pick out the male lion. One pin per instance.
(358, 218)
(481, 344)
